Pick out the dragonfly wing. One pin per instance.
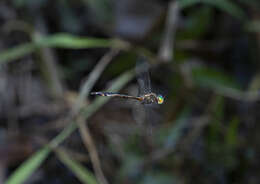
(143, 77)
(152, 117)
(146, 116)
(139, 113)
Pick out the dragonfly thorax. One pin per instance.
(150, 98)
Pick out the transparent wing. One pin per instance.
(139, 113)
(147, 117)
(143, 77)
(152, 117)
(145, 114)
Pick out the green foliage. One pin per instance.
(215, 127)
(25, 170)
(28, 167)
(218, 138)
(222, 137)
(174, 133)
(131, 167)
(83, 174)
(159, 178)
(231, 137)
(64, 40)
(16, 53)
(224, 5)
(213, 79)
(253, 26)
(102, 9)
(198, 23)
(59, 40)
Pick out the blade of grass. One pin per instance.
(92, 150)
(86, 137)
(59, 40)
(29, 166)
(228, 6)
(83, 174)
(64, 40)
(93, 77)
(117, 85)
(16, 52)
(224, 5)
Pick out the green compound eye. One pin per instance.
(160, 99)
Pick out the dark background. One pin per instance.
(207, 131)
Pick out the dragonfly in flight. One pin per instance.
(146, 96)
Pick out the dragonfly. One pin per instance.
(146, 96)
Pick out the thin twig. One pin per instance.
(248, 96)
(166, 49)
(48, 62)
(93, 77)
(90, 146)
(84, 131)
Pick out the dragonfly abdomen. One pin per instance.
(111, 94)
(102, 93)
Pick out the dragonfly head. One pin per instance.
(160, 99)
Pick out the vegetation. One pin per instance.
(204, 60)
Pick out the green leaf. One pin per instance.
(227, 6)
(232, 133)
(59, 40)
(16, 52)
(28, 167)
(224, 5)
(214, 79)
(67, 41)
(199, 22)
(216, 118)
(84, 175)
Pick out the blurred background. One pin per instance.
(204, 58)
